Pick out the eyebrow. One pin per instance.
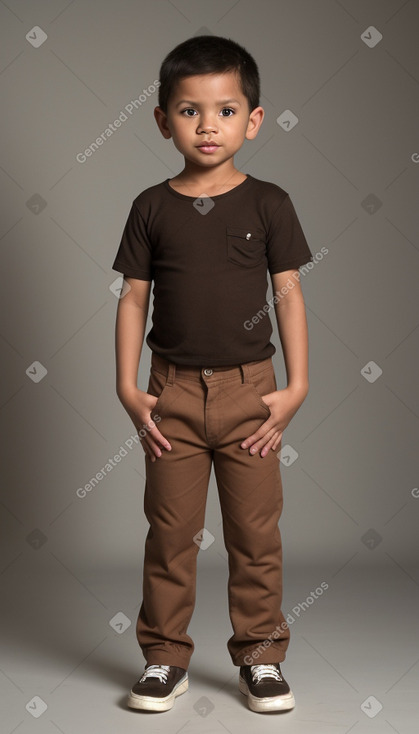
(196, 104)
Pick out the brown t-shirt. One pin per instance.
(209, 260)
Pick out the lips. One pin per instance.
(208, 148)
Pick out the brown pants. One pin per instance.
(205, 414)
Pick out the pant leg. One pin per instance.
(174, 504)
(251, 499)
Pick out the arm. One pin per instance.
(283, 404)
(292, 328)
(130, 327)
(131, 320)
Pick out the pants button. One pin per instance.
(208, 372)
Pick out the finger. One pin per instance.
(267, 446)
(159, 438)
(153, 447)
(255, 436)
(154, 438)
(149, 454)
(151, 423)
(262, 441)
(277, 442)
(149, 445)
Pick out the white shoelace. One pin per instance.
(156, 671)
(260, 672)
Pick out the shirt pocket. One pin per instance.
(245, 247)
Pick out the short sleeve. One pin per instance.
(287, 246)
(134, 253)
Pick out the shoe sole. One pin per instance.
(148, 703)
(264, 705)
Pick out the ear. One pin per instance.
(161, 119)
(255, 120)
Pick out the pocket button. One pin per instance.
(208, 372)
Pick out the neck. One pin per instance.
(225, 175)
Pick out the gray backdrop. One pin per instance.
(348, 70)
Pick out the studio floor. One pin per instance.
(70, 654)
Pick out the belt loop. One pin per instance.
(245, 372)
(171, 373)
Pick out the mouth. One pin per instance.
(208, 147)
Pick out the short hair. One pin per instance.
(209, 55)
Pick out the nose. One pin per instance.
(206, 124)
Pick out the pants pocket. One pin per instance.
(157, 384)
(263, 383)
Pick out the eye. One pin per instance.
(228, 110)
(187, 110)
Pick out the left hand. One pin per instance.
(283, 405)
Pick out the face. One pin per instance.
(208, 118)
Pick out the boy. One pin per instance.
(208, 237)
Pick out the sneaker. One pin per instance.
(265, 688)
(158, 687)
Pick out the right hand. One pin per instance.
(139, 406)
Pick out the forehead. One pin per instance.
(200, 87)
